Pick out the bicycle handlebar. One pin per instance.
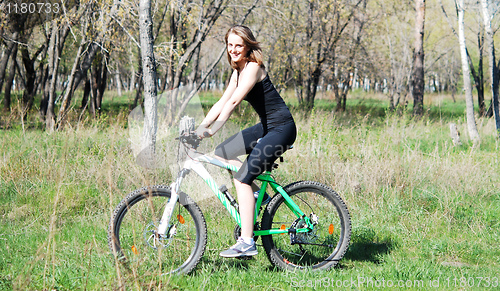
(191, 139)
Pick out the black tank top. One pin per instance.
(269, 105)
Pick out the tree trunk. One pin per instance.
(149, 77)
(66, 101)
(490, 44)
(6, 57)
(169, 71)
(477, 76)
(59, 40)
(49, 70)
(480, 77)
(138, 92)
(86, 95)
(313, 86)
(10, 79)
(418, 73)
(29, 91)
(118, 82)
(471, 121)
(299, 90)
(193, 76)
(45, 92)
(101, 84)
(95, 80)
(131, 86)
(95, 85)
(312, 75)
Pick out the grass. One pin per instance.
(424, 213)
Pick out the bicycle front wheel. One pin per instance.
(323, 246)
(133, 236)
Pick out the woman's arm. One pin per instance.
(250, 77)
(219, 105)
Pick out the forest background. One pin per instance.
(373, 89)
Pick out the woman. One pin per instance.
(263, 142)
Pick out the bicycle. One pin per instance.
(162, 227)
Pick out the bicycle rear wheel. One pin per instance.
(319, 249)
(133, 237)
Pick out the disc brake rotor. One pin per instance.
(155, 240)
(303, 237)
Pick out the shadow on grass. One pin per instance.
(366, 246)
(358, 251)
(368, 251)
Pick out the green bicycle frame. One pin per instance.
(265, 178)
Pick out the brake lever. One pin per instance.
(191, 138)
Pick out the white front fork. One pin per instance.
(169, 209)
(189, 165)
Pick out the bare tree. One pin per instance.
(400, 66)
(53, 64)
(9, 48)
(418, 66)
(310, 42)
(10, 79)
(148, 75)
(73, 78)
(477, 76)
(207, 18)
(29, 62)
(471, 121)
(59, 31)
(490, 45)
(83, 61)
(347, 73)
(95, 85)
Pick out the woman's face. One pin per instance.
(236, 48)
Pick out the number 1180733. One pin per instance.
(30, 8)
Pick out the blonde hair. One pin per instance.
(254, 52)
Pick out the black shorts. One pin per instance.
(262, 149)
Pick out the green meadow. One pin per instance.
(425, 213)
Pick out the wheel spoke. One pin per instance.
(135, 224)
(288, 252)
(324, 244)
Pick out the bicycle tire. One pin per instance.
(320, 249)
(131, 235)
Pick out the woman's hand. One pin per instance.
(203, 131)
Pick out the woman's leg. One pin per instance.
(237, 163)
(239, 144)
(260, 158)
(247, 208)
(263, 155)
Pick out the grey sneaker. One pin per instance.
(240, 249)
(265, 200)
